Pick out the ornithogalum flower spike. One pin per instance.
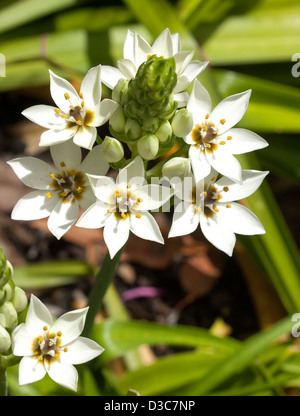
(60, 190)
(77, 114)
(52, 348)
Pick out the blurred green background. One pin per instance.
(250, 44)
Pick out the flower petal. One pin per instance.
(240, 219)
(87, 199)
(182, 59)
(127, 68)
(128, 48)
(67, 154)
(102, 112)
(231, 109)
(133, 173)
(58, 87)
(242, 141)
(64, 374)
(189, 74)
(94, 163)
(163, 45)
(80, 351)
(153, 197)
(224, 163)
(201, 166)
(57, 135)
(103, 187)
(116, 233)
(185, 221)
(34, 206)
(199, 103)
(221, 237)
(91, 87)
(85, 137)
(33, 172)
(22, 338)
(44, 115)
(110, 76)
(94, 217)
(62, 218)
(251, 180)
(146, 227)
(70, 324)
(30, 370)
(141, 49)
(38, 316)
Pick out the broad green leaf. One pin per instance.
(50, 274)
(235, 363)
(118, 337)
(169, 373)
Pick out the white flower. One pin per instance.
(213, 140)
(209, 203)
(52, 348)
(77, 115)
(123, 206)
(137, 50)
(60, 190)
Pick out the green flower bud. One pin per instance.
(117, 120)
(6, 270)
(133, 130)
(9, 289)
(113, 150)
(2, 319)
(182, 123)
(10, 314)
(120, 91)
(148, 147)
(19, 299)
(151, 125)
(5, 340)
(164, 133)
(178, 167)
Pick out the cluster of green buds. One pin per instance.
(146, 118)
(13, 301)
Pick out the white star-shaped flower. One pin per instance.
(76, 115)
(60, 190)
(123, 206)
(137, 50)
(52, 348)
(212, 140)
(209, 203)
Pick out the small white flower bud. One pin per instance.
(117, 120)
(9, 288)
(19, 299)
(148, 147)
(164, 132)
(113, 150)
(182, 123)
(133, 130)
(10, 314)
(5, 340)
(178, 167)
(119, 90)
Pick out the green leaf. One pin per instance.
(50, 274)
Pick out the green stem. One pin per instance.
(3, 382)
(103, 279)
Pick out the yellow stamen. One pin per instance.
(208, 145)
(117, 194)
(81, 95)
(41, 339)
(222, 142)
(140, 200)
(52, 176)
(66, 95)
(109, 210)
(65, 349)
(62, 164)
(73, 172)
(63, 194)
(63, 116)
(223, 121)
(216, 210)
(213, 178)
(57, 110)
(203, 193)
(129, 185)
(78, 122)
(225, 189)
(123, 215)
(40, 358)
(79, 189)
(228, 206)
(45, 328)
(59, 333)
(82, 103)
(229, 137)
(48, 194)
(138, 216)
(148, 56)
(207, 116)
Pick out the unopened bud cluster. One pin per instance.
(147, 108)
(13, 300)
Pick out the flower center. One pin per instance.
(69, 184)
(47, 347)
(204, 134)
(206, 202)
(124, 203)
(78, 114)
